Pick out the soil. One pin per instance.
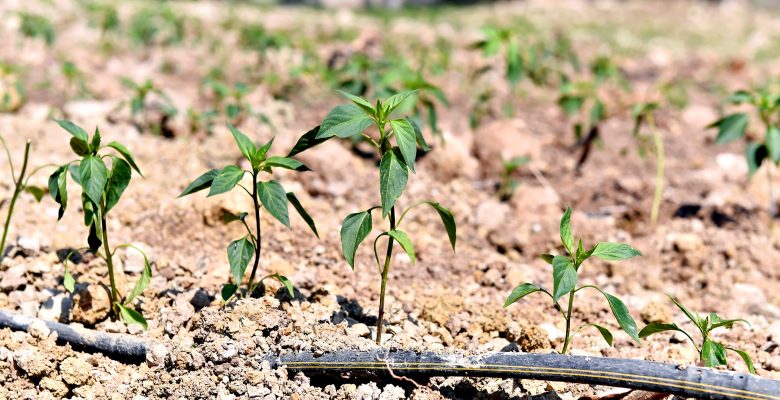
(713, 247)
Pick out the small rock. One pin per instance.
(91, 305)
(57, 387)
(38, 329)
(200, 299)
(687, 242)
(515, 276)
(536, 338)
(359, 330)
(157, 355)
(774, 331)
(14, 278)
(33, 362)
(177, 317)
(656, 312)
(491, 214)
(56, 308)
(28, 246)
(75, 371)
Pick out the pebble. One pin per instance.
(359, 330)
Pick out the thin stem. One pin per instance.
(19, 186)
(8, 153)
(660, 166)
(259, 239)
(568, 323)
(403, 214)
(385, 273)
(109, 260)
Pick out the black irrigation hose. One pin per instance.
(119, 347)
(697, 382)
(703, 383)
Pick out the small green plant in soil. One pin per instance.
(158, 25)
(141, 107)
(765, 102)
(711, 353)
(21, 184)
(565, 269)
(102, 187)
(268, 194)
(37, 26)
(397, 160)
(508, 184)
(643, 114)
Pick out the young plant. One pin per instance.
(268, 194)
(766, 103)
(141, 106)
(21, 184)
(37, 26)
(508, 184)
(565, 269)
(643, 113)
(711, 353)
(354, 119)
(102, 187)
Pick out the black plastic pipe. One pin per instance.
(703, 383)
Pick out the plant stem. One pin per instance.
(568, 323)
(385, 272)
(660, 166)
(19, 186)
(109, 260)
(259, 243)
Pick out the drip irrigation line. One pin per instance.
(703, 383)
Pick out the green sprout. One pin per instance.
(37, 26)
(643, 113)
(268, 194)
(21, 184)
(140, 106)
(565, 269)
(508, 184)
(101, 190)
(354, 119)
(711, 353)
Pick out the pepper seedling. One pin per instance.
(643, 114)
(565, 269)
(711, 353)
(267, 194)
(21, 184)
(508, 184)
(101, 190)
(766, 103)
(349, 120)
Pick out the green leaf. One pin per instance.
(396, 100)
(68, 281)
(94, 176)
(566, 236)
(285, 162)
(143, 280)
(717, 322)
(730, 127)
(653, 328)
(240, 252)
(418, 135)
(354, 230)
(274, 199)
(226, 180)
(392, 180)
(74, 130)
(773, 143)
(285, 282)
(713, 354)
(344, 121)
(80, 147)
(605, 333)
(548, 258)
(245, 145)
(307, 141)
(131, 316)
(405, 242)
(521, 291)
(263, 151)
(755, 153)
(407, 141)
(126, 154)
(228, 291)
(597, 113)
(564, 276)
(117, 182)
(693, 317)
(739, 97)
(571, 104)
(302, 212)
(36, 191)
(615, 251)
(228, 217)
(95, 145)
(202, 182)
(746, 358)
(583, 255)
(448, 220)
(360, 102)
(622, 316)
(58, 188)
